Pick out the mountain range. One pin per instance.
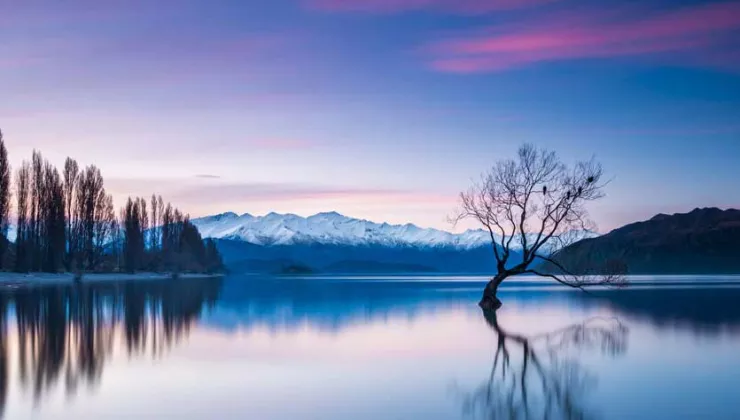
(331, 229)
(331, 242)
(703, 241)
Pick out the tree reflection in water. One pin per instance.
(69, 332)
(540, 376)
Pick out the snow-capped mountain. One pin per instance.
(331, 242)
(335, 229)
(331, 229)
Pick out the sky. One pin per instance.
(378, 109)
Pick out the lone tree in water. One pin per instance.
(537, 205)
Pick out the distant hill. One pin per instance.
(333, 243)
(244, 257)
(353, 266)
(704, 241)
(331, 228)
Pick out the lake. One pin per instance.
(369, 347)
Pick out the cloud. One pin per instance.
(201, 197)
(199, 190)
(399, 6)
(53, 38)
(286, 191)
(208, 176)
(700, 35)
(281, 144)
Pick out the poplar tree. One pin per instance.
(4, 201)
(22, 242)
(71, 175)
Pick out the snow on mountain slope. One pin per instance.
(332, 228)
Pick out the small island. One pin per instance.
(295, 269)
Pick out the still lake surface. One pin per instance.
(370, 348)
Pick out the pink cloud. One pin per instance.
(397, 6)
(700, 34)
(281, 144)
(192, 193)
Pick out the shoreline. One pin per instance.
(41, 279)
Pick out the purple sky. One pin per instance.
(381, 109)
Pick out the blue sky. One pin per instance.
(381, 109)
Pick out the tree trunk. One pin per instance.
(490, 301)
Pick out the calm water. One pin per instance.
(368, 348)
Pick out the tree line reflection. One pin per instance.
(335, 304)
(64, 335)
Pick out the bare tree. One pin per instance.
(52, 204)
(537, 204)
(105, 225)
(90, 204)
(37, 210)
(71, 175)
(133, 239)
(143, 225)
(153, 242)
(22, 188)
(4, 199)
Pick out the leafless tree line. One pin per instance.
(165, 241)
(67, 222)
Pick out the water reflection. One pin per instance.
(65, 334)
(335, 303)
(538, 376)
(365, 349)
(701, 309)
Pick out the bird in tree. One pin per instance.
(537, 204)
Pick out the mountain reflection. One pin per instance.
(541, 376)
(335, 304)
(65, 334)
(61, 338)
(702, 310)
